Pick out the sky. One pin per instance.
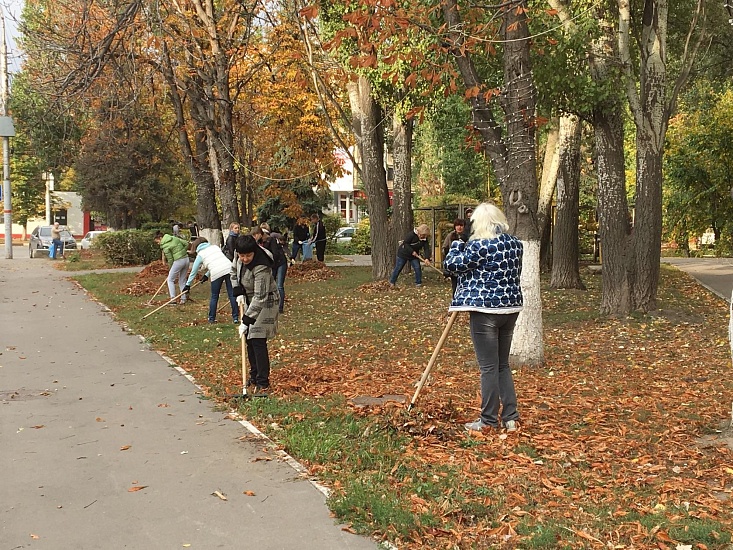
(11, 10)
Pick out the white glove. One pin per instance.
(243, 330)
(300, 242)
(240, 300)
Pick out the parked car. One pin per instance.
(41, 240)
(88, 239)
(344, 235)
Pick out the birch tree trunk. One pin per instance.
(550, 167)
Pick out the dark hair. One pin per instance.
(246, 244)
(158, 235)
(459, 221)
(195, 244)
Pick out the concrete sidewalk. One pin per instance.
(104, 445)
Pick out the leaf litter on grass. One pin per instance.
(609, 424)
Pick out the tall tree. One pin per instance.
(512, 153)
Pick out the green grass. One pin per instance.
(371, 461)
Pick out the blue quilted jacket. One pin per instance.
(488, 272)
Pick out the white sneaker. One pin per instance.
(476, 426)
(510, 426)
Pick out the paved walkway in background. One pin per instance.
(104, 445)
(715, 274)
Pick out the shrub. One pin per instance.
(129, 247)
(361, 242)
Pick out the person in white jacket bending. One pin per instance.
(217, 267)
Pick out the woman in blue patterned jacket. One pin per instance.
(488, 268)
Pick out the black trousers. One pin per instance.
(259, 361)
(320, 250)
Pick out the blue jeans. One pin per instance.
(280, 274)
(492, 339)
(214, 301)
(295, 250)
(402, 262)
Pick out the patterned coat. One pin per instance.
(488, 273)
(261, 296)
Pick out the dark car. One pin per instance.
(41, 240)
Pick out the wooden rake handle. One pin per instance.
(433, 358)
(170, 301)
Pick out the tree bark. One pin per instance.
(512, 158)
(550, 167)
(402, 217)
(613, 214)
(368, 120)
(565, 252)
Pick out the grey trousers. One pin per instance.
(492, 339)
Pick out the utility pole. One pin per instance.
(6, 132)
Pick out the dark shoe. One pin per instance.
(281, 311)
(262, 391)
(212, 321)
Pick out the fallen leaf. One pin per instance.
(35, 537)
(125, 447)
(138, 488)
(249, 493)
(38, 427)
(163, 405)
(100, 419)
(220, 495)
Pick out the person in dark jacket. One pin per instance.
(455, 235)
(229, 250)
(318, 238)
(273, 242)
(300, 236)
(408, 251)
(489, 268)
(257, 295)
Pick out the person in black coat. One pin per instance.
(319, 237)
(300, 235)
(408, 251)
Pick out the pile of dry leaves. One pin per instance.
(311, 270)
(148, 280)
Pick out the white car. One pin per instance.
(344, 235)
(86, 242)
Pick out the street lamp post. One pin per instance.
(6, 132)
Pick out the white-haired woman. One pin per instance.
(409, 251)
(488, 268)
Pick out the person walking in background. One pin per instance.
(256, 292)
(217, 267)
(270, 242)
(175, 252)
(489, 267)
(276, 242)
(318, 237)
(408, 251)
(56, 242)
(193, 229)
(467, 228)
(455, 235)
(229, 246)
(300, 236)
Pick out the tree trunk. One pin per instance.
(402, 218)
(368, 119)
(513, 159)
(550, 167)
(565, 252)
(651, 114)
(520, 187)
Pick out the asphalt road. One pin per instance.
(715, 274)
(104, 445)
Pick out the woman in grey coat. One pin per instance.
(256, 292)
